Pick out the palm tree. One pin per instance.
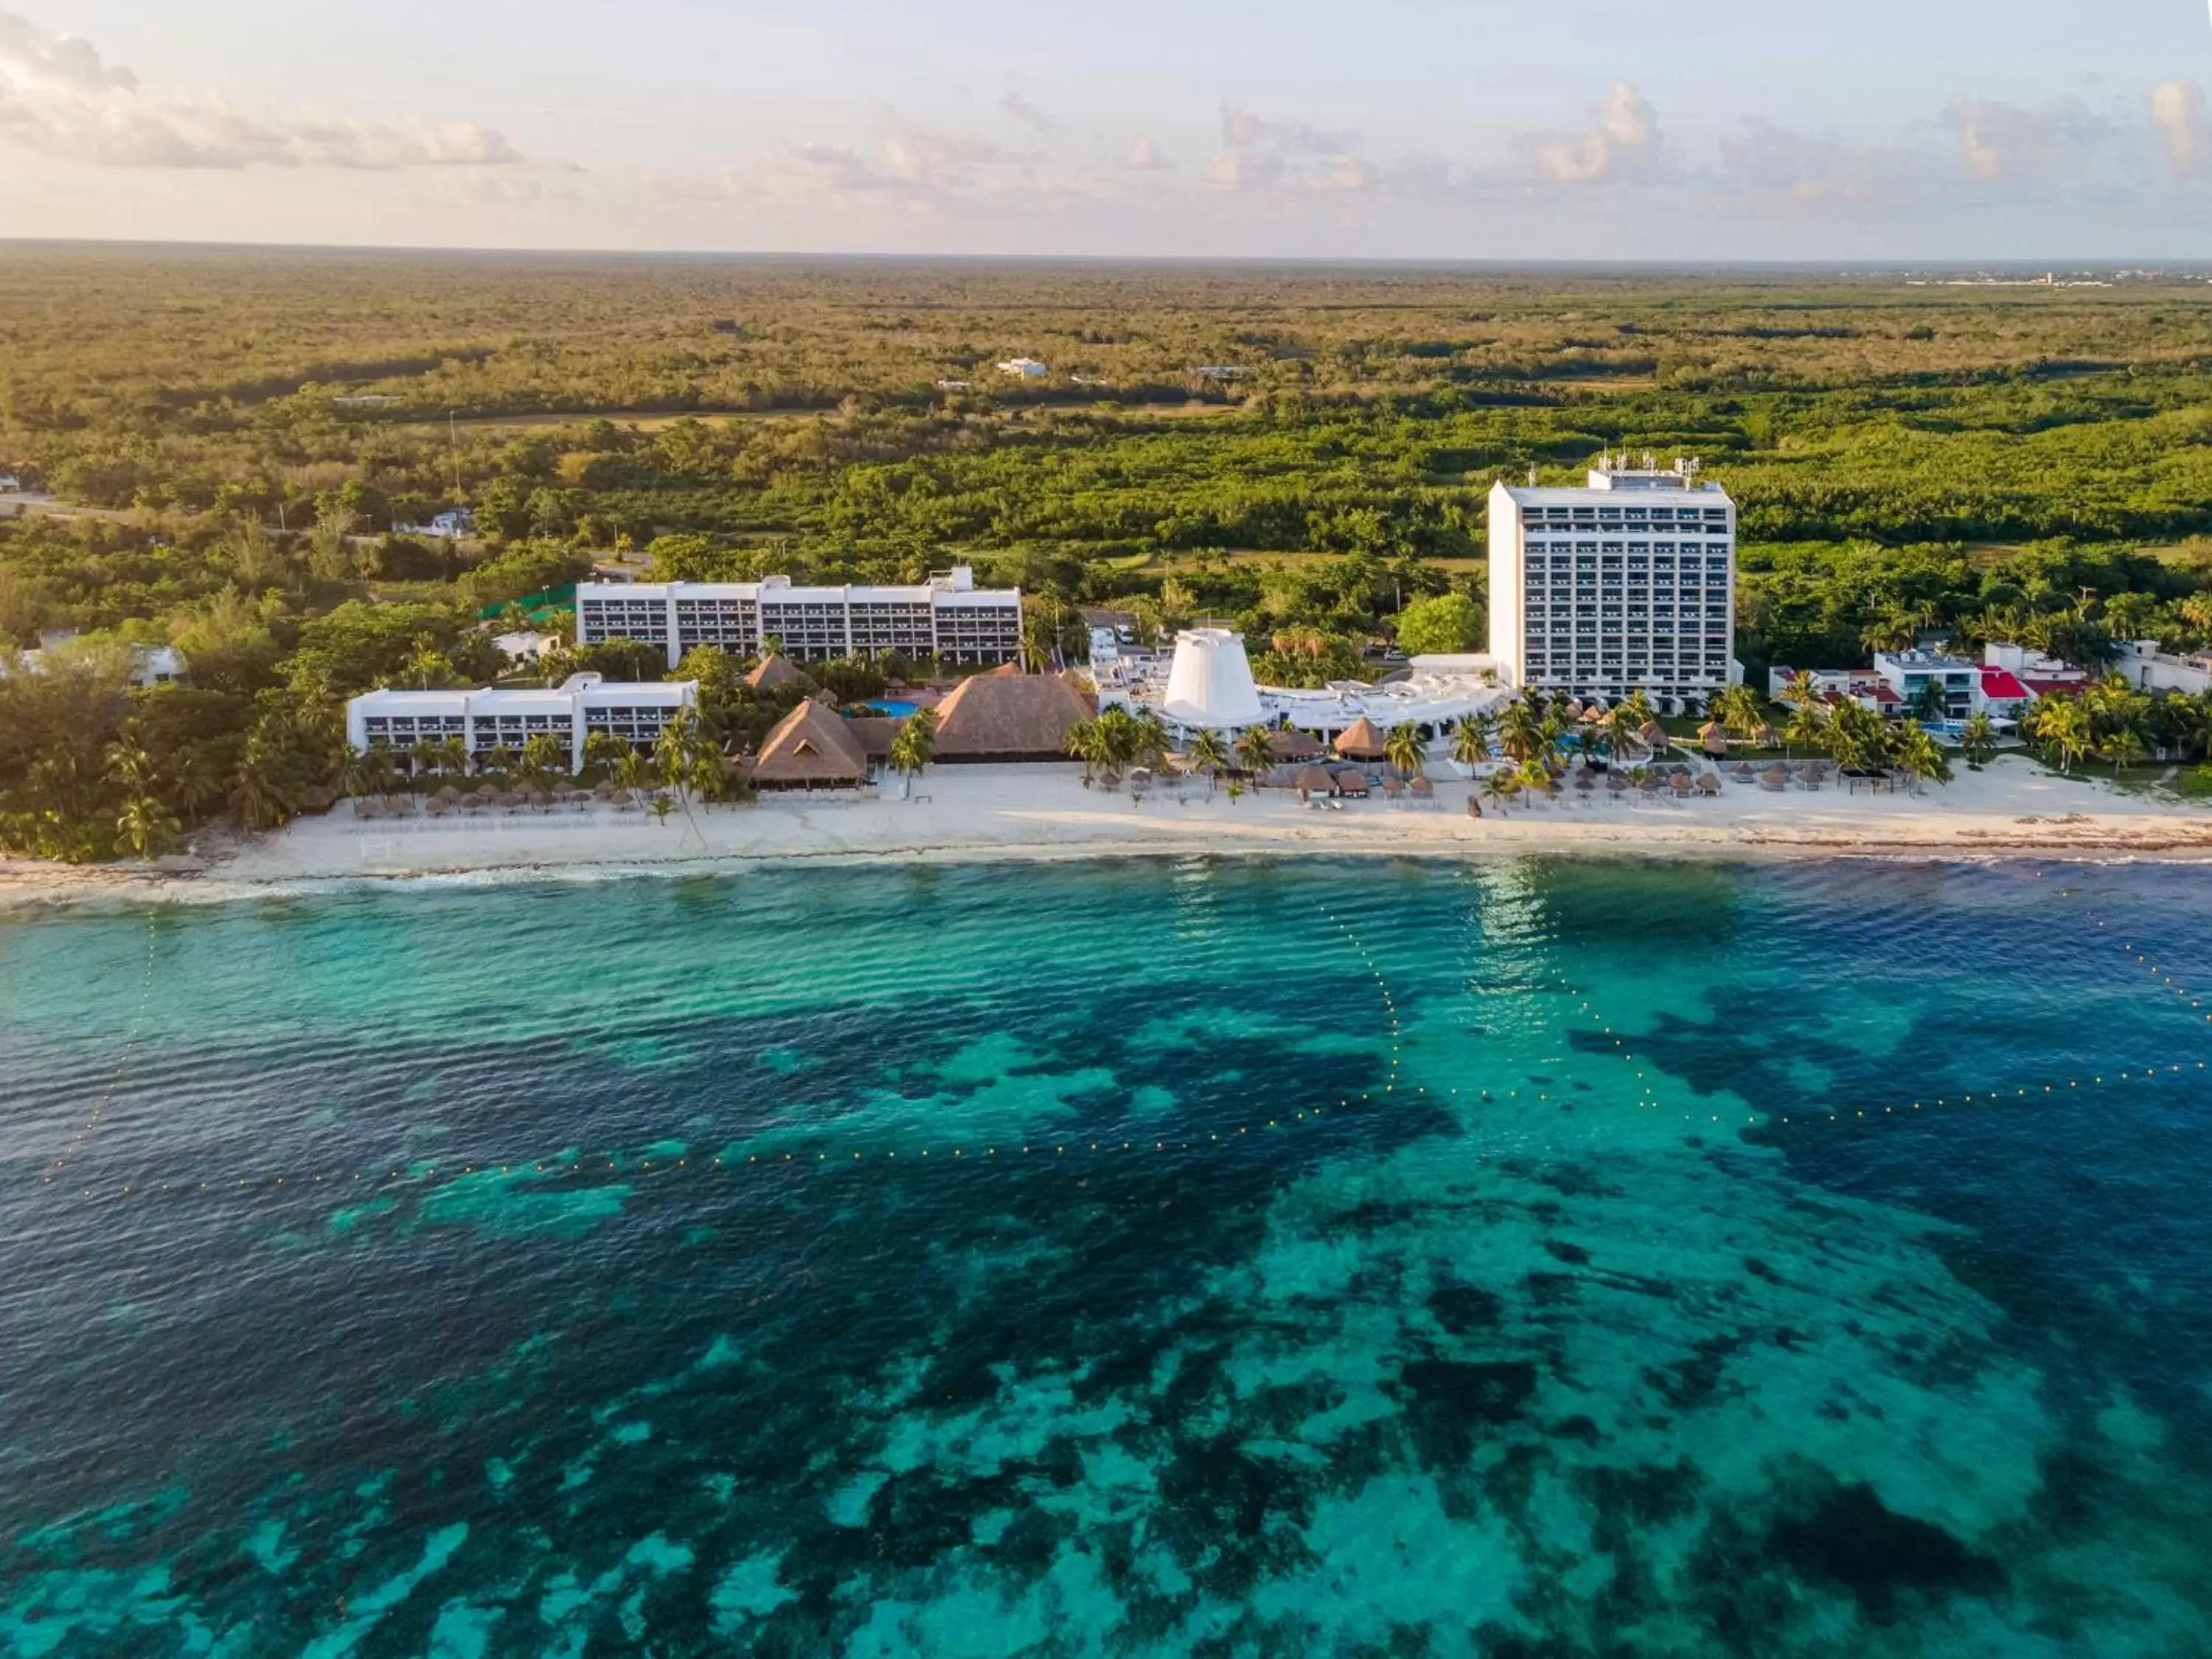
(1150, 739)
(1895, 629)
(1471, 740)
(1085, 742)
(421, 761)
(1521, 733)
(542, 757)
(1808, 726)
(912, 749)
(1929, 705)
(633, 772)
(1208, 755)
(1537, 776)
(601, 749)
(1737, 707)
(256, 795)
(1977, 740)
(1253, 754)
(1802, 687)
(146, 827)
(1500, 787)
(2063, 725)
(2124, 748)
(454, 756)
(194, 784)
(1920, 755)
(1402, 749)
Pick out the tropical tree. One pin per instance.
(1207, 754)
(661, 807)
(2062, 725)
(601, 749)
(1895, 629)
(1500, 787)
(146, 827)
(1086, 742)
(1253, 754)
(914, 745)
(1523, 733)
(1149, 740)
(1808, 726)
(2124, 748)
(1801, 688)
(1930, 704)
(1921, 756)
(454, 756)
(423, 757)
(1402, 749)
(544, 757)
(1738, 709)
(1471, 737)
(1977, 740)
(634, 772)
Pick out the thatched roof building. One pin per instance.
(772, 672)
(1024, 717)
(1295, 746)
(1360, 741)
(810, 749)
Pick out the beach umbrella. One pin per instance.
(487, 791)
(1710, 784)
(1648, 783)
(621, 798)
(439, 805)
(1392, 788)
(1422, 786)
(1615, 784)
(368, 806)
(1681, 783)
(1316, 781)
(1585, 782)
(448, 794)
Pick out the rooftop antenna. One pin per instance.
(1651, 461)
(1531, 477)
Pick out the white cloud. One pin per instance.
(1620, 145)
(1245, 170)
(932, 159)
(59, 98)
(1242, 129)
(2010, 141)
(1772, 166)
(2177, 110)
(1027, 113)
(1145, 156)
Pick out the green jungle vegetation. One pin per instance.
(230, 437)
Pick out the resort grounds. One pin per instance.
(2014, 808)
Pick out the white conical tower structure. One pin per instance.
(1209, 683)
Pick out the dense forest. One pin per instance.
(229, 438)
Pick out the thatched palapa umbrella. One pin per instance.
(1615, 784)
(1316, 781)
(1774, 777)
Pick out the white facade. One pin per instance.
(1026, 368)
(948, 616)
(489, 720)
(1203, 690)
(1210, 685)
(1627, 584)
(2149, 669)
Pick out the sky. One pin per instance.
(1834, 130)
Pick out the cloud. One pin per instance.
(1621, 145)
(59, 98)
(1027, 113)
(1145, 156)
(1772, 166)
(1242, 129)
(2177, 110)
(1245, 170)
(2008, 141)
(935, 160)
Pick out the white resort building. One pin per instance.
(489, 719)
(1627, 583)
(948, 616)
(1207, 686)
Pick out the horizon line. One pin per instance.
(1833, 265)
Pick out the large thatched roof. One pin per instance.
(1024, 717)
(1294, 746)
(1360, 740)
(809, 748)
(771, 671)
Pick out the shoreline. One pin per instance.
(1043, 814)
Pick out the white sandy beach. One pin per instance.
(2015, 809)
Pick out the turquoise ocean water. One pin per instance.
(1139, 1258)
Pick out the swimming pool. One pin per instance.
(892, 707)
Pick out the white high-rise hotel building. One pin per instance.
(1628, 583)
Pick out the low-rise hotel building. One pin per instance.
(636, 712)
(1625, 585)
(947, 617)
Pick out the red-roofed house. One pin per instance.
(2004, 696)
